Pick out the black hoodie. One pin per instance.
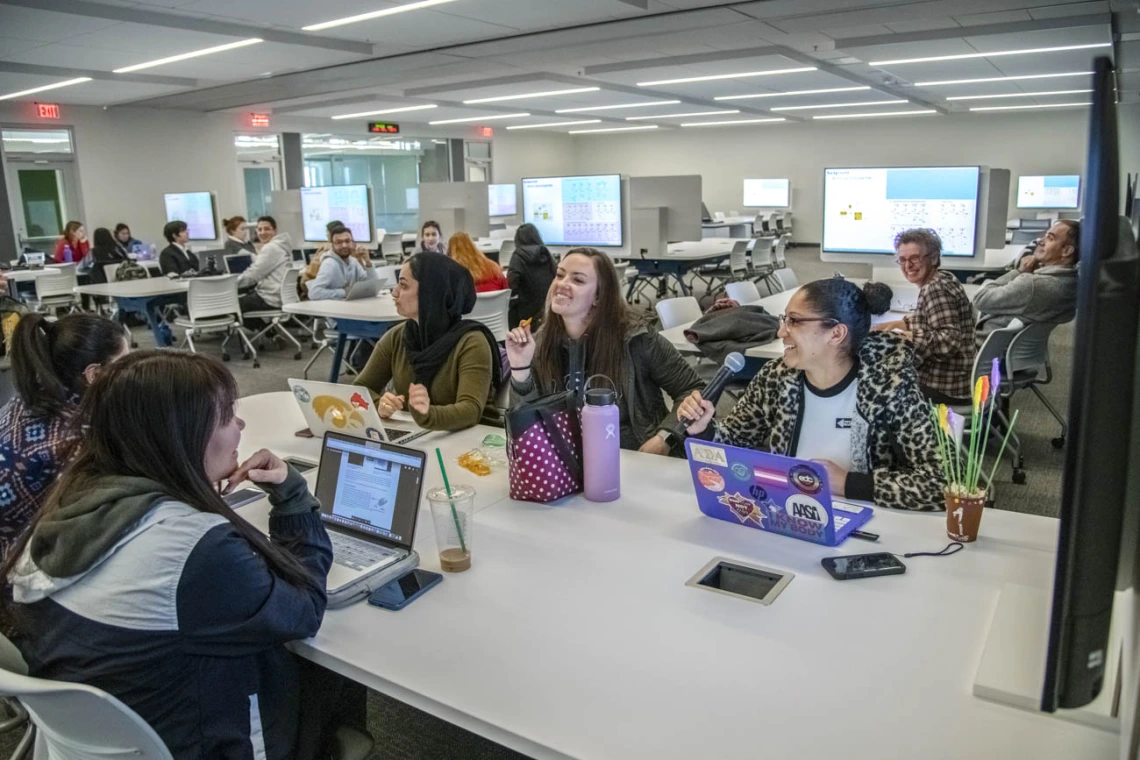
(530, 273)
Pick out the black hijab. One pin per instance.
(447, 292)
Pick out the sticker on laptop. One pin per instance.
(708, 454)
(805, 509)
(338, 414)
(741, 471)
(743, 508)
(301, 394)
(711, 479)
(805, 479)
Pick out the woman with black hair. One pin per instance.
(842, 396)
(530, 274)
(104, 252)
(138, 579)
(53, 363)
(443, 367)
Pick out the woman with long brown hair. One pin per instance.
(487, 274)
(72, 246)
(137, 578)
(586, 316)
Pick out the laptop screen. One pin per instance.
(370, 487)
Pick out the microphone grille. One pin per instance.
(734, 361)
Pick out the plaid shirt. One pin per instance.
(943, 330)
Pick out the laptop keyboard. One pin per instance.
(356, 553)
(841, 521)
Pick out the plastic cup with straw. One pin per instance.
(447, 560)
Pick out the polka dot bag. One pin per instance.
(544, 449)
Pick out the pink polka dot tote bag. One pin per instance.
(544, 448)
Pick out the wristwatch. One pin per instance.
(666, 436)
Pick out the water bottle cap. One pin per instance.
(601, 397)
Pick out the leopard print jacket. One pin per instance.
(896, 444)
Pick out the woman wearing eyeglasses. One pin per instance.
(842, 396)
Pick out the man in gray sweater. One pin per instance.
(1041, 287)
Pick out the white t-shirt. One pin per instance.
(828, 417)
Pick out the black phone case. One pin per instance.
(898, 570)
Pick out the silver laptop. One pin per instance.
(337, 408)
(364, 289)
(370, 497)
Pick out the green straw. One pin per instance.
(447, 487)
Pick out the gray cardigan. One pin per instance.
(652, 365)
(1047, 295)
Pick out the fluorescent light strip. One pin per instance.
(995, 54)
(555, 124)
(793, 92)
(681, 115)
(733, 121)
(623, 105)
(741, 75)
(382, 111)
(548, 93)
(1023, 108)
(609, 129)
(480, 118)
(872, 115)
(185, 56)
(1003, 79)
(1017, 95)
(45, 88)
(841, 105)
(374, 14)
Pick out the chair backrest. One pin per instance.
(492, 309)
(762, 254)
(787, 278)
(213, 297)
(995, 346)
(779, 222)
(778, 251)
(62, 284)
(1024, 237)
(678, 311)
(1029, 350)
(109, 271)
(622, 269)
(738, 257)
(742, 292)
(392, 244)
(506, 250)
(289, 286)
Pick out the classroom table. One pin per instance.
(363, 318)
(139, 296)
(677, 260)
(27, 275)
(731, 226)
(573, 635)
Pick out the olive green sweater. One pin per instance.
(458, 392)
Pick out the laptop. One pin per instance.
(236, 263)
(370, 497)
(336, 408)
(770, 492)
(364, 289)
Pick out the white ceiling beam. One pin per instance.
(681, 60)
(983, 30)
(70, 73)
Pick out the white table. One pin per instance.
(678, 259)
(362, 318)
(139, 296)
(574, 636)
(731, 226)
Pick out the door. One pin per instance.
(44, 198)
(260, 182)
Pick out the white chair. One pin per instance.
(786, 279)
(778, 251)
(57, 291)
(736, 269)
(491, 308)
(109, 271)
(742, 292)
(212, 306)
(505, 251)
(678, 311)
(276, 318)
(392, 247)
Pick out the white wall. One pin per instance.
(1025, 143)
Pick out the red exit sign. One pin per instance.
(47, 110)
(486, 132)
(259, 120)
(383, 128)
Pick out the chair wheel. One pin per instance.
(1019, 477)
(297, 356)
(225, 357)
(256, 365)
(1058, 442)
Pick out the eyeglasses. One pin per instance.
(794, 322)
(909, 260)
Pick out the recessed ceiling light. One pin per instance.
(555, 124)
(1022, 108)
(1017, 95)
(623, 105)
(45, 88)
(374, 14)
(191, 54)
(1003, 79)
(793, 92)
(732, 121)
(873, 115)
(740, 75)
(681, 115)
(995, 54)
(610, 129)
(841, 105)
(546, 94)
(481, 118)
(382, 111)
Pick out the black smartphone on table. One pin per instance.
(863, 566)
(400, 592)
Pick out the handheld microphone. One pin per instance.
(733, 363)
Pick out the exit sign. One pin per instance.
(259, 120)
(47, 110)
(486, 132)
(383, 128)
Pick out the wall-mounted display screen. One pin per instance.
(575, 210)
(1049, 191)
(197, 210)
(502, 200)
(347, 204)
(767, 193)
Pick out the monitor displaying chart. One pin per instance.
(864, 209)
(502, 200)
(767, 193)
(197, 210)
(1049, 191)
(347, 204)
(575, 210)
(412, 196)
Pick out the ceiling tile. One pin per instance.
(45, 26)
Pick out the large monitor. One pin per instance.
(767, 193)
(864, 209)
(197, 210)
(1051, 191)
(575, 210)
(502, 200)
(348, 204)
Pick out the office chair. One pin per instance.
(278, 318)
(677, 311)
(1027, 366)
(742, 292)
(57, 291)
(492, 308)
(737, 268)
(995, 346)
(212, 306)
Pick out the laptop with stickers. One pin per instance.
(336, 408)
(770, 492)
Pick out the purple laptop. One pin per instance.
(770, 492)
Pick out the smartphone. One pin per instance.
(863, 566)
(300, 465)
(399, 593)
(243, 496)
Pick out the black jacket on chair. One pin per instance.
(172, 259)
(530, 273)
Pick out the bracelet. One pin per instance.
(519, 369)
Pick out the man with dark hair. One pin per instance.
(942, 325)
(340, 270)
(176, 258)
(1041, 287)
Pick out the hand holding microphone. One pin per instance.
(694, 413)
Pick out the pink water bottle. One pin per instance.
(601, 445)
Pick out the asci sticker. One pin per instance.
(800, 507)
